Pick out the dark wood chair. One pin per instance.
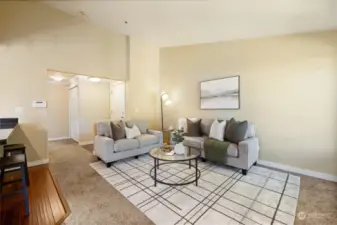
(8, 164)
(12, 149)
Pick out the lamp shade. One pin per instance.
(164, 100)
(164, 96)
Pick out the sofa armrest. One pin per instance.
(103, 147)
(158, 134)
(249, 150)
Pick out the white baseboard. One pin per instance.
(293, 169)
(38, 162)
(58, 138)
(85, 142)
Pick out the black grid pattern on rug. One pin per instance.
(223, 195)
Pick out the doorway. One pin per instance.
(84, 101)
(117, 100)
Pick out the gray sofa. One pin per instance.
(240, 155)
(109, 150)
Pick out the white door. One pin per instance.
(74, 113)
(117, 100)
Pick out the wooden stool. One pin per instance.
(9, 163)
(12, 149)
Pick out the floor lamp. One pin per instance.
(164, 100)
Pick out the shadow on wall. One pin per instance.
(35, 14)
(34, 137)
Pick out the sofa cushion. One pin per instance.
(205, 126)
(125, 144)
(142, 125)
(236, 130)
(194, 142)
(147, 139)
(193, 128)
(118, 130)
(104, 129)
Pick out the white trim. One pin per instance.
(293, 169)
(85, 142)
(58, 138)
(38, 162)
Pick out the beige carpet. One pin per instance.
(91, 199)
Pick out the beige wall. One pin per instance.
(94, 106)
(58, 110)
(288, 89)
(142, 87)
(34, 38)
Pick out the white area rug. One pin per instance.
(223, 195)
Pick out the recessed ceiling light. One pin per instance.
(95, 79)
(56, 78)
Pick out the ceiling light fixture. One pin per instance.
(94, 79)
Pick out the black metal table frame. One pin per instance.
(182, 161)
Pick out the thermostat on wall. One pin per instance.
(39, 104)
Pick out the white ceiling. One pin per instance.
(177, 22)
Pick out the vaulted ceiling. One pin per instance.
(177, 22)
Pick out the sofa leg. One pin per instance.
(136, 157)
(108, 164)
(203, 160)
(255, 163)
(244, 172)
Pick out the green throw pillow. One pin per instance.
(235, 131)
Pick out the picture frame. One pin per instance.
(220, 93)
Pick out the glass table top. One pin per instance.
(190, 153)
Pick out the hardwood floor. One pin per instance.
(46, 201)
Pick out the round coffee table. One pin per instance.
(158, 155)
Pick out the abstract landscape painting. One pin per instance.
(221, 93)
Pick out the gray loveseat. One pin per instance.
(240, 155)
(109, 150)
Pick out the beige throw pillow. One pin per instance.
(217, 130)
